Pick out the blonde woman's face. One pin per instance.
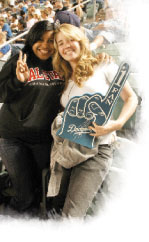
(69, 49)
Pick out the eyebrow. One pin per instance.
(51, 37)
(59, 41)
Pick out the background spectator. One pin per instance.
(23, 15)
(67, 4)
(51, 13)
(44, 14)
(31, 20)
(14, 23)
(37, 15)
(81, 9)
(5, 51)
(22, 27)
(58, 6)
(5, 28)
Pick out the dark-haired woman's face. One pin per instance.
(44, 48)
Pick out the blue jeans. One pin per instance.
(81, 183)
(24, 163)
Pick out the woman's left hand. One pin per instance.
(105, 129)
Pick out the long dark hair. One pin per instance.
(36, 32)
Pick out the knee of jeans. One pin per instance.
(21, 205)
(74, 210)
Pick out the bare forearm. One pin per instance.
(129, 107)
(99, 27)
(127, 111)
(97, 42)
(114, 125)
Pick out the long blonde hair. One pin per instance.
(86, 62)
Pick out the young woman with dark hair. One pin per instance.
(30, 91)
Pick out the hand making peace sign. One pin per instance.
(22, 71)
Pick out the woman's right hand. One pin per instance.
(22, 71)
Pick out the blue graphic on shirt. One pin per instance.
(81, 111)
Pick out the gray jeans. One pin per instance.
(81, 183)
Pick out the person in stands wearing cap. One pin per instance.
(51, 13)
(37, 15)
(71, 18)
(31, 20)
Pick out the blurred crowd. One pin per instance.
(18, 16)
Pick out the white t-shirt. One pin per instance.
(52, 14)
(31, 22)
(12, 2)
(99, 82)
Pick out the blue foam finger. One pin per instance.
(81, 111)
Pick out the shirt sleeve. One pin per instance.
(90, 34)
(10, 86)
(110, 71)
(5, 28)
(5, 49)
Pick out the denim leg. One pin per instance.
(41, 156)
(58, 201)
(17, 160)
(86, 179)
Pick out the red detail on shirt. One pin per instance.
(46, 75)
(56, 75)
(38, 75)
(32, 75)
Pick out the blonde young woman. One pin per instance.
(84, 74)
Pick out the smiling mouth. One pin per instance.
(44, 52)
(68, 52)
